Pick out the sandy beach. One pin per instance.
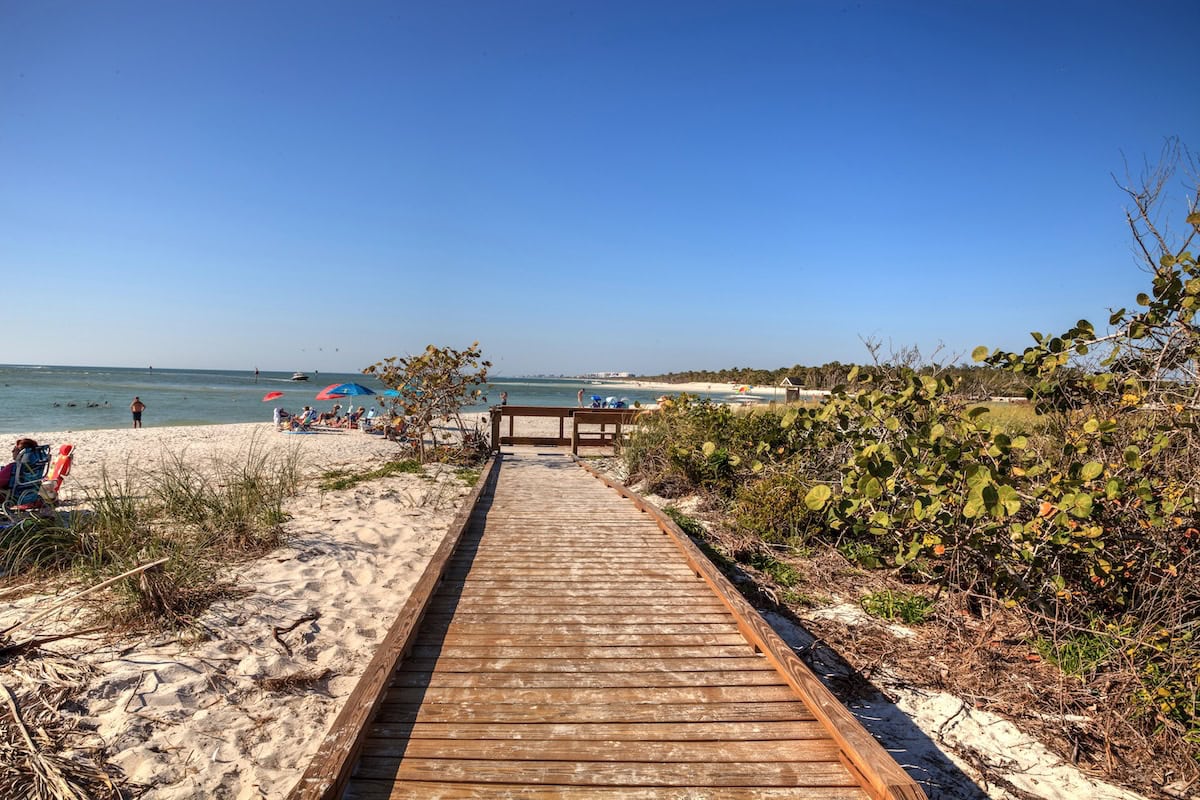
(715, 390)
(199, 719)
(214, 717)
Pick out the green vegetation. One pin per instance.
(780, 572)
(199, 520)
(686, 524)
(431, 387)
(335, 480)
(468, 475)
(906, 607)
(1082, 507)
(975, 381)
(1078, 653)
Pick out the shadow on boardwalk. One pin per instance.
(912, 748)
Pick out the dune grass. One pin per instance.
(201, 518)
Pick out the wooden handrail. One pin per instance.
(605, 416)
(329, 770)
(885, 779)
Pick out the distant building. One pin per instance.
(792, 386)
(607, 375)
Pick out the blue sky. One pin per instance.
(645, 186)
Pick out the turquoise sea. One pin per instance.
(54, 398)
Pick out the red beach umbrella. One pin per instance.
(269, 396)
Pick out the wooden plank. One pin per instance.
(638, 712)
(577, 572)
(601, 773)
(562, 608)
(884, 775)
(647, 664)
(528, 680)
(483, 639)
(450, 790)
(329, 769)
(585, 623)
(599, 750)
(677, 695)
(582, 652)
(747, 731)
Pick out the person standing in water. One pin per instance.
(504, 398)
(136, 408)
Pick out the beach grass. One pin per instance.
(335, 480)
(200, 519)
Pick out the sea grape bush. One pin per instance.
(1089, 519)
(431, 386)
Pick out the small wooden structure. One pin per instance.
(570, 641)
(792, 387)
(581, 434)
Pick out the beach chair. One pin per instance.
(370, 422)
(60, 467)
(24, 490)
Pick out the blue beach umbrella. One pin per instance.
(336, 390)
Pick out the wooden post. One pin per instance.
(495, 429)
(574, 435)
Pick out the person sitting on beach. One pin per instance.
(330, 417)
(6, 472)
(396, 430)
(353, 417)
(281, 416)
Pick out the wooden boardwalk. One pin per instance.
(574, 647)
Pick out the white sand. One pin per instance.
(194, 721)
(716, 390)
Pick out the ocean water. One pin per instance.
(54, 398)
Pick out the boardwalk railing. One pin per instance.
(588, 427)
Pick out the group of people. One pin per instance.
(309, 416)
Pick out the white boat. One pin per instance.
(298, 376)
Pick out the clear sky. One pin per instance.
(581, 186)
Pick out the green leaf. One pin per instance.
(1009, 500)
(979, 353)
(1082, 506)
(1193, 218)
(818, 496)
(789, 419)
(708, 449)
(871, 488)
(1133, 457)
(852, 374)
(1143, 299)
(978, 476)
(1091, 470)
(973, 506)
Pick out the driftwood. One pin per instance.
(278, 630)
